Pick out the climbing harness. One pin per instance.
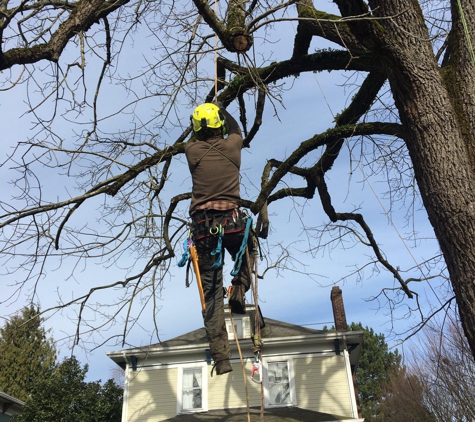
(216, 229)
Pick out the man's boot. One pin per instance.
(223, 367)
(236, 299)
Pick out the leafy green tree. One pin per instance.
(64, 395)
(375, 368)
(26, 352)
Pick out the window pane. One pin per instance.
(188, 399)
(197, 378)
(197, 399)
(279, 384)
(188, 378)
(192, 392)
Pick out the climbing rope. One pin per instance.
(242, 366)
(256, 338)
(237, 265)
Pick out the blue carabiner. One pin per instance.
(186, 253)
(242, 250)
(219, 249)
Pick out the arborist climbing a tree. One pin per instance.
(218, 224)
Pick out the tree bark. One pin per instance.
(438, 138)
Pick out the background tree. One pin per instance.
(438, 382)
(404, 400)
(64, 395)
(445, 369)
(410, 122)
(375, 368)
(26, 352)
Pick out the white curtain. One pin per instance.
(192, 385)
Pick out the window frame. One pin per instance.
(204, 387)
(239, 326)
(293, 394)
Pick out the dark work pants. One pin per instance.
(212, 280)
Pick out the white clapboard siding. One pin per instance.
(152, 395)
(322, 385)
(228, 391)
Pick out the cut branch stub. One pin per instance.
(240, 40)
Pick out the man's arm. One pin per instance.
(233, 126)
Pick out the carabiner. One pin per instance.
(256, 367)
(186, 253)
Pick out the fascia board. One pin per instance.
(5, 398)
(342, 335)
(118, 356)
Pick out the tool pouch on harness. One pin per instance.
(207, 223)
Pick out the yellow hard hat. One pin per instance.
(207, 115)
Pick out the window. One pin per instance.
(238, 327)
(192, 389)
(279, 383)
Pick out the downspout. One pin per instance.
(349, 376)
(125, 402)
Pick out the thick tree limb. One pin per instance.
(85, 14)
(322, 60)
(360, 104)
(317, 23)
(317, 141)
(234, 35)
(358, 218)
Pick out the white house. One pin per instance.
(306, 374)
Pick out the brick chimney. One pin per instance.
(339, 316)
(338, 309)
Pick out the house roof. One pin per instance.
(272, 329)
(281, 414)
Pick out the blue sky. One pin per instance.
(300, 295)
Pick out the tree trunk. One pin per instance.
(439, 147)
